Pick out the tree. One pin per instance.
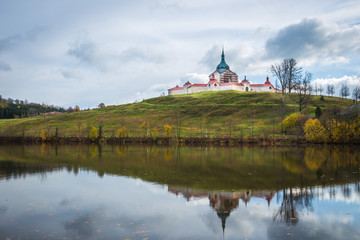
(293, 74)
(167, 129)
(287, 73)
(101, 105)
(330, 90)
(321, 89)
(314, 131)
(77, 108)
(356, 93)
(344, 91)
(303, 89)
(318, 112)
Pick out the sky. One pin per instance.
(87, 52)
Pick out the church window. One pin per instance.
(215, 84)
(270, 87)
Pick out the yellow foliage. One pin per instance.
(292, 122)
(155, 132)
(93, 133)
(168, 129)
(122, 132)
(146, 126)
(314, 131)
(44, 134)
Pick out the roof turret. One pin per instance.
(222, 67)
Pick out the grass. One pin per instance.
(208, 112)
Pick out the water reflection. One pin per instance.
(282, 191)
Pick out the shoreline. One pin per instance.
(216, 141)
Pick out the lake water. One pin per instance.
(152, 192)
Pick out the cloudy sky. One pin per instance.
(85, 52)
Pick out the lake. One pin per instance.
(169, 192)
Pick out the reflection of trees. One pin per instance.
(292, 201)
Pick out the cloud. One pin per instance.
(8, 42)
(312, 38)
(350, 81)
(137, 54)
(195, 78)
(4, 66)
(35, 32)
(84, 51)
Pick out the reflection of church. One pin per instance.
(223, 79)
(223, 202)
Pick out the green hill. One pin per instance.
(219, 113)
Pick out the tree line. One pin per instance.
(10, 108)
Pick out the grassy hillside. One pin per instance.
(207, 112)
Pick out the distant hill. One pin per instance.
(206, 113)
(10, 108)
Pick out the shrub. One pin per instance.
(93, 134)
(314, 131)
(318, 112)
(121, 132)
(322, 98)
(168, 129)
(294, 122)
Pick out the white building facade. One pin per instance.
(223, 79)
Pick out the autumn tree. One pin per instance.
(167, 129)
(314, 131)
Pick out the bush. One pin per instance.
(293, 123)
(93, 134)
(322, 98)
(122, 132)
(314, 131)
(318, 112)
(167, 129)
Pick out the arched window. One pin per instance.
(270, 87)
(215, 85)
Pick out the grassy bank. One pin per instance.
(219, 114)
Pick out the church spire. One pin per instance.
(222, 67)
(223, 54)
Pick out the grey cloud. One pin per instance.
(4, 66)
(85, 52)
(211, 57)
(313, 38)
(8, 42)
(35, 32)
(136, 54)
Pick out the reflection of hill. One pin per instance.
(193, 167)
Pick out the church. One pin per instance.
(223, 79)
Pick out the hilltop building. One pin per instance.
(223, 79)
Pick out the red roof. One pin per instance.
(187, 83)
(176, 88)
(199, 85)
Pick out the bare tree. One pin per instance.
(303, 89)
(344, 91)
(330, 90)
(294, 72)
(356, 93)
(280, 72)
(320, 89)
(316, 88)
(287, 73)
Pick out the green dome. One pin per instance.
(222, 67)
